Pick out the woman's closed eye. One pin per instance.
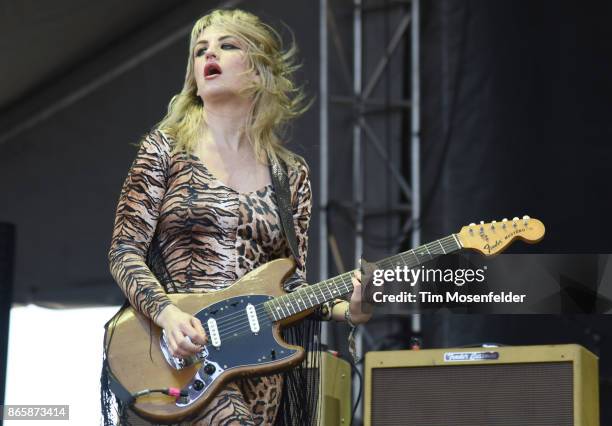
(224, 46)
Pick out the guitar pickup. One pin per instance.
(215, 338)
(252, 316)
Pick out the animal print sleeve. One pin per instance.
(302, 211)
(135, 223)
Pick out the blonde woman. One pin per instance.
(198, 211)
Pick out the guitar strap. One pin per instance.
(280, 182)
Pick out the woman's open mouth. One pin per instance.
(211, 70)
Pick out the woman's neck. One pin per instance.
(225, 122)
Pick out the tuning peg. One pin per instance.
(493, 224)
(526, 220)
(482, 225)
(526, 217)
(472, 224)
(515, 218)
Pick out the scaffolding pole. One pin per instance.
(358, 176)
(323, 151)
(415, 151)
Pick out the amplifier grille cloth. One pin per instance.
(529, 394)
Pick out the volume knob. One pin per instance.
(210, 369)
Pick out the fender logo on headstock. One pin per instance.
(489, 248)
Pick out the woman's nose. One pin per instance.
(210, 54)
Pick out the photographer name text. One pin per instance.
(448, 297)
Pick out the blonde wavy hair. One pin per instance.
(276, 97)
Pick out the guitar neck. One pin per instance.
(313, 295)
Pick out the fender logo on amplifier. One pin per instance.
(470, 356)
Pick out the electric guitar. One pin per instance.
(243, 325)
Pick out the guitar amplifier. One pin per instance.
(510, 386)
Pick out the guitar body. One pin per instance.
(139, 359)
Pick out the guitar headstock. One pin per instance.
(493, 237)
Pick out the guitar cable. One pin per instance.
(176, 392)
(356, 370)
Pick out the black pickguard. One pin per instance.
(247, 349)
(240, 347)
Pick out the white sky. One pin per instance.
(54, 357)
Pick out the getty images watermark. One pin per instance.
(432, 282)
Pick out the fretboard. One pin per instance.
(313, 295)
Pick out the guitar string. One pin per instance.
(232, 318)
(227, 327)
(228, 319)
(230, 327)
(231, 334)
(260, 308)
(287, 307)
(243, 330)
(449, 240)
(238, 320)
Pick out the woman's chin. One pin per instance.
(216, 94)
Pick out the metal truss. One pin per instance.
(366, 108)
(362, 102)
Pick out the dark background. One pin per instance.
(516, 97)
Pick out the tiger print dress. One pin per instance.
(179, 229)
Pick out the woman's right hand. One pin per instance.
(183, 331)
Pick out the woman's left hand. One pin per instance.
(361, 310)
